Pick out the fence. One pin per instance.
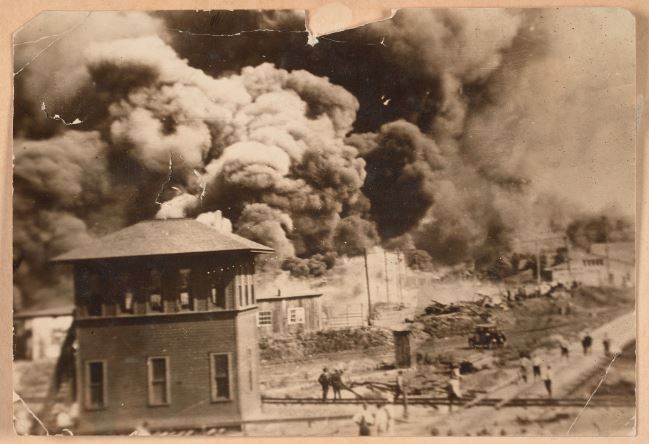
(349, 315)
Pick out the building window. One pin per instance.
(246, 276)
(250, 379)
(296, 315)
(217, 289)
(158, 368)
(184, 275)
(264, 318)
(96, 384)
(155, 290)
(94, 284)
(240, 295)
(127, 305)
(220, 374)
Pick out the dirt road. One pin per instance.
(568, 372)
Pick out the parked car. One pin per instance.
(487, 336)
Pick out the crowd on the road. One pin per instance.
(378, 420)
(543, 370)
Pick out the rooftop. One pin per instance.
(617, 251)
(162, 237)
(291, 296)
(53, 312)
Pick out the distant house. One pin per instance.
(607, 265)
(165, 316)
(39, 334)
(289, 314)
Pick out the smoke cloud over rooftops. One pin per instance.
(450, 131)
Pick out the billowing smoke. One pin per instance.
(401, 176)
(416, 133)
(57, 184)
(261, 223)
(608, 226)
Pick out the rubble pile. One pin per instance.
(325, 341)
(437, 308)
(442, 320)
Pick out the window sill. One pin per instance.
(153, 314)
(95, 408)
(221, 400)
(159, 405)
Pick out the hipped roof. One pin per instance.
(290, 296)
(162, 237)
(52, 312)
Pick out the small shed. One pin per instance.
(287, 314)
(403, 352)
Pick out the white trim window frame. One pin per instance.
(154, 380)
(264, 318)
(295, 315)
(91, 404)
(217, 373)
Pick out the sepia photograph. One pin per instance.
(227, 225)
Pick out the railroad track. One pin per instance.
(608, 401)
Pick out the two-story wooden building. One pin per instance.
(166, 328)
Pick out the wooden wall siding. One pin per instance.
(187, 339)
(279, 315)
(248, 351)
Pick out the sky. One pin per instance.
(454, 132)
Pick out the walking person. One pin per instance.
(586, 343)
(606, 342)
(547, 379)
(565, 350)
(324, 380)
(536, 367)
(383, 419)
(453, 390)
(364, 419)
(524, 364)
(399, 386)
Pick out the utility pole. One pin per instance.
(608, 259)
(367, 282)
(399, 276)
(387, 283)
(538, 264)
(567, 243)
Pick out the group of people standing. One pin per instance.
(544, 372)
(587, 344)
(332, 379)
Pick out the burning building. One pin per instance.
(165, 324)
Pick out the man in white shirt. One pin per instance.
(382, 419)
(548, 374)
